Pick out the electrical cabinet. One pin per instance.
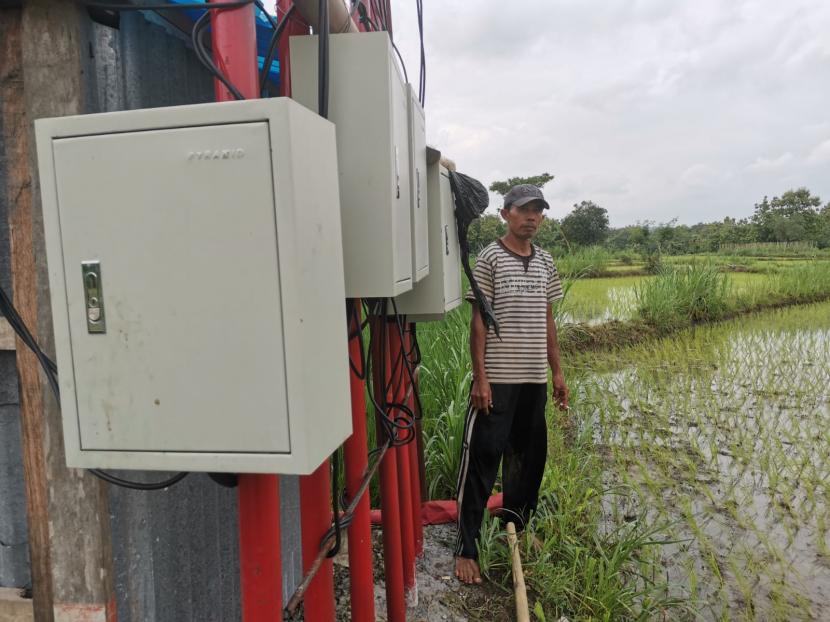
(196, 276)
(440, 291)
(418, 185)
(369, 105)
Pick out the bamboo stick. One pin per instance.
(522, 611)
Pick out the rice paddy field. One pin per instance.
(597, 300)
(689, 481)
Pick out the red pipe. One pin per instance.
(259, 547)
(392, 546)
(315, 512)
(414, 470)
(296, 26)
(233, 34)
(396, 353)
(355, 452)
(315, 489)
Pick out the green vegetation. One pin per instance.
(588, 261)
(792, 225)
(721, 432)
(690, 477)
(679, 296)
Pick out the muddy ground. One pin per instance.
(441, 597)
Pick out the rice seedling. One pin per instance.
(713, 434)
(725, 425)
(681, 296)
(583, 262)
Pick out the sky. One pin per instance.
(654, 109)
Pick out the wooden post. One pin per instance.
(522, 610)
(42, 74)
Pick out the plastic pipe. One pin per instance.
(315, 513)
(392, 547)
(233, 33)
(339, 18)
(355, 452)
(397, 351)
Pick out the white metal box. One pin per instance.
(440, 291)
(418, 186)
(195, 267)
(368, 103)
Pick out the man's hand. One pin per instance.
(481, 395)
(560, 391)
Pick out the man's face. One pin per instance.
(523, 221)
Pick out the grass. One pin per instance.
(771, 249)
(693, 482)
(574, 566)
(721, 431)
(680, 296)
(584, 262)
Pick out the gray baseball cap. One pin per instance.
(523, 194)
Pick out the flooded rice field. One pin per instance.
(721, 434)
(594, 301)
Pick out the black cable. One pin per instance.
(364, 17)
(335, 505)
(201, 23)
(204, 56)
(272, 49)
(354, 320)
(112, 479)
(400, 58)
(400, 428)
(9, 311)
(384, 25)
(409, 364)
(323, 59)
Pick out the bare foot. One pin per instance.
(467, 570)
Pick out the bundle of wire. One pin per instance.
(200, 27)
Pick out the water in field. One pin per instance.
(594, 301)
(723, 433)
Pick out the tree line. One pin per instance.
(796, 216)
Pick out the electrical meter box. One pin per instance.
(369, 105)
(196, 276)
(418, 186)
(440, 291)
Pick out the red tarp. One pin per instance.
(442, 512)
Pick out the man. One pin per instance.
(506, 417)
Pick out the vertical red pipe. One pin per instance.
(234, 52)
(259, 547)
(397, 353)
(355, 452)
(412, 453)
(315, 511)
(391, 515)
(315, 489)
(296, 26)
(233, 35)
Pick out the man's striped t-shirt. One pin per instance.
(519, 290)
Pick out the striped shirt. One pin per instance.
(519, 290)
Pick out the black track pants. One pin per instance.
(514, 431)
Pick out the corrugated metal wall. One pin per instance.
(176, 552)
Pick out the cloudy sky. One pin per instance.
(654, 109)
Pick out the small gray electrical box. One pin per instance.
(440, 291)
(418, 187)
(369, 105)
(196, 275)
